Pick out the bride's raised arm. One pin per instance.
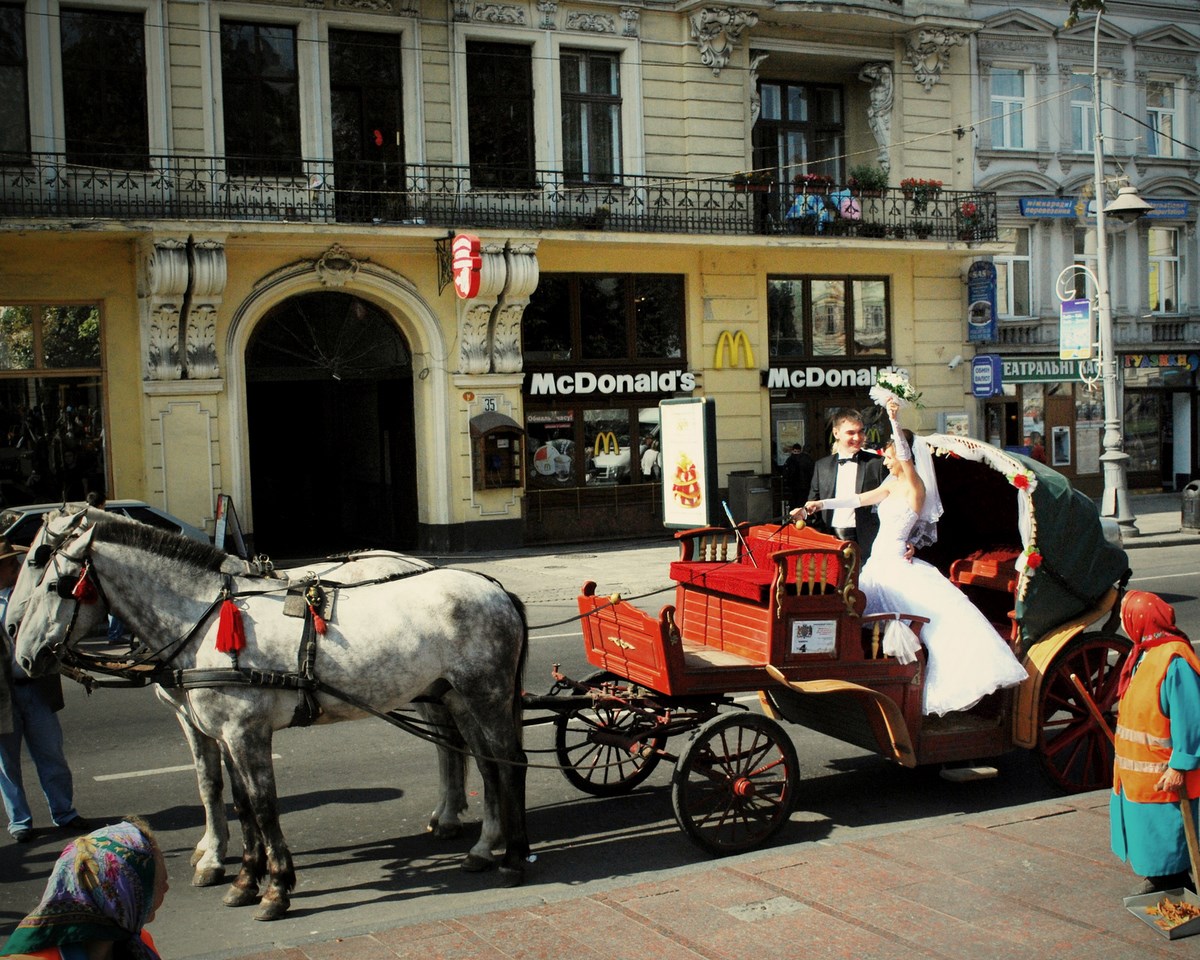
(914, 489)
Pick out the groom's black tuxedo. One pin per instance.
(871, 474)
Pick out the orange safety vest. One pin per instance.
(1143, 739)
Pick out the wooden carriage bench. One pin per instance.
(989, 577)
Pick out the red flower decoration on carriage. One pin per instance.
(1033, 558)
(1023, 480)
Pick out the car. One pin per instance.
(20, 524)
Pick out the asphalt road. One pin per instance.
(355, 797)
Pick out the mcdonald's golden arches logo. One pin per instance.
(730, 346)
(606, 442)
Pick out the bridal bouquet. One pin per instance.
(892, 383)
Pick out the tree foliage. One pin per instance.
(1078, 6)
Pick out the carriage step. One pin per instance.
(965, 774)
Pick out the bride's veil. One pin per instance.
(925, 531)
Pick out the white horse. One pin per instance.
(389, 639)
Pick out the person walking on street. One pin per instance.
(30, 719)
(797, 476)
(1157, 745)
(849, 470)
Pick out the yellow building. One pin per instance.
(227, 261)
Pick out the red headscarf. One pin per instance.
(1149, 620)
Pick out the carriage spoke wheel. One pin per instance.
(1074, 752)
(594, 766)
(734, 785)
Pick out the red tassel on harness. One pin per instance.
(318, 620)
(84, 590)
(231, 634)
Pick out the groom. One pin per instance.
(849, 470)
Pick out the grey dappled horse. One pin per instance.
(433, 630)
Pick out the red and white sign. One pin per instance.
(466, 263)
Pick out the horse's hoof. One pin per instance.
(445, 831)
(475, 864)
(510, 877)
(237, 896)
(271, 909)
(208, 877)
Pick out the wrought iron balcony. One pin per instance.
(184, 187)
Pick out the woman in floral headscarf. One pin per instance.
(1157, 744)
(105, 888)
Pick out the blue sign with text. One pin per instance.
(986, 376)
(981, 302)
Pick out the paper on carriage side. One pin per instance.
(900, 642)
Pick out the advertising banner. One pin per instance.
(689, 463)
(981, 300)
(1075, 330)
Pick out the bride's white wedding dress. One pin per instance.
(967, 659)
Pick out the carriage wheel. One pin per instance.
(1073, 751)
(603, 769)
(734, 785)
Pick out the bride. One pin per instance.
(967, 658)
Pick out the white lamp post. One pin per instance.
(1127, 207)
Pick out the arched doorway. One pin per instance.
(329, 407)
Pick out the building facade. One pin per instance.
(1035, 144)
(234, 236)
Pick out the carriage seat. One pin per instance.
(993, 568)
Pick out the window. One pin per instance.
(1013, 298)
(1083, 120)
(500, 114)
(827, 317)
(14, 105)
(1008, 108)
(1085, 256)
(261, 97)
(51, 420)
(1160, 118)
(591, 108)
(1164, 270)
(104, 88)
(800, 129)
(600, 317)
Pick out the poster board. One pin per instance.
(227, 523)
(689, 463)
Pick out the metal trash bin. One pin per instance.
(1191, 506)
(758, 502)
(740, 483)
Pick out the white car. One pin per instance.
(20, 524)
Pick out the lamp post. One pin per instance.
(1128, 207)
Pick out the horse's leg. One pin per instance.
(208, 858)
(445, 821)
(254, 859)
(250, 756)
(481, 856)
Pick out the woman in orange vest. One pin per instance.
(1157, 744)
(103, 891)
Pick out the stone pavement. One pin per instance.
(1033, 881)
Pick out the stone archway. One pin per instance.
(331, 433)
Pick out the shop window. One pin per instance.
(1083, 117)
(591, 115)
(500, 114)
(1008, 108)
(594, 447)
(104, 88)
(51, 394)
(807, 317)
(1161, 113)
(260, 85)
(14, 80)
(1013, 294)
(1164, 270)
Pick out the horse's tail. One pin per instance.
(519, 685)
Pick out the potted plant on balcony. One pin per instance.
(922, 229)
(920, 191)
(756, 181)
(970, 220)
(812, 183)
(867, 180)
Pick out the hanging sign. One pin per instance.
(466, 263)
(1075, 330)
(981, 300)
(986, 377)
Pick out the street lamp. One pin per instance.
(1127, 207)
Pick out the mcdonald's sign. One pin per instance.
(729, 347)
(466, 265)
(606, 442)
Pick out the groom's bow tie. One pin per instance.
(850, 459)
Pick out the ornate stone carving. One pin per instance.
(201, 343)
(632, 17)
(499, 13)
(591, 23)
(336, 267)
(384, 5)
(474, 322)
(879, 109)
(523, 275)
(167, 269)
(162, 343)
(929, 53)
(164, 289)
(549, 11)
(208, 276)
(462, 11)
(716, 31)
(756, 59)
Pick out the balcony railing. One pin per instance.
(183, 187)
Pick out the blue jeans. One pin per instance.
(35, 723)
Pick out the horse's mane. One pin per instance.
(162, 543)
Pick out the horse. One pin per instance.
(388, 640)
